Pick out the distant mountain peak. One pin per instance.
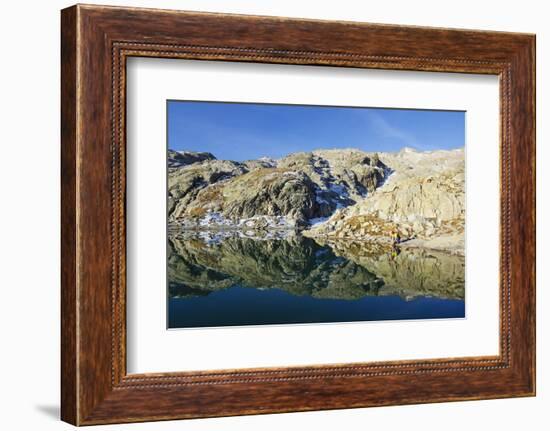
(178, 159)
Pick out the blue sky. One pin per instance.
(242, 131)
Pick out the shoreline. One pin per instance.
(452, 245)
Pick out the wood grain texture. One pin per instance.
(96, 41)
(69, 367)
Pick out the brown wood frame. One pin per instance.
(95, 42)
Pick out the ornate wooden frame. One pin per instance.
(96, 41)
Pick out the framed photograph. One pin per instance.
(263, 214)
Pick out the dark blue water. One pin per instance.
(237, 306)
(243, 281)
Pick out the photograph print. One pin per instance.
(296, 214)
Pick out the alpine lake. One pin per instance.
(218, 279)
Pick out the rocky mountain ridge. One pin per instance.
(423, 201)
(298, 188)
(331, 194)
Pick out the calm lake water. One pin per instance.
(229, 281)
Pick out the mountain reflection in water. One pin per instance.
(233, 280)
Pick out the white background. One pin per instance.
(29, 217)
(151, 348)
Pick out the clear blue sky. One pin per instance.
(241, 131)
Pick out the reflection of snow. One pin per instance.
(265, 221)
(214, 219)
(317, 220)
(215, 237)
(210, 238)
(218, 222)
